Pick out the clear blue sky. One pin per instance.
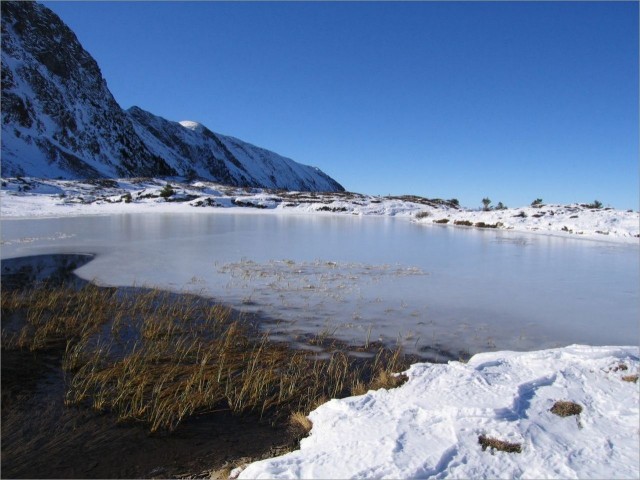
(510, 100)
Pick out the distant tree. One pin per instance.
(455, 202)
(501, 206)
(596, 204)
(167, 191)
(486, 202)
(536, 202)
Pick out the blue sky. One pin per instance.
(510, 100)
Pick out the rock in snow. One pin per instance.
(431, 426)
(59, 120)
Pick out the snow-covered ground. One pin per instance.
(28, 197)
(430, 427)
(576, 220)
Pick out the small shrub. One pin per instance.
(454, 202)
(167, 191)
(127, 198)
(464, 223)
(485, 204)
(423, 214)
(501, 206)
(521, 215)
(596, 205)
(630, 378)
(565, 409)
(537, 202)
(442, 220)
(495, 444)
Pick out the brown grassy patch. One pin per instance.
(565, 409)
(157, 357)
(300, 424)
(488, 225)
(387, 379)
(495, 444)
(630, 378)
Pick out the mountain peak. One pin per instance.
(191, 125)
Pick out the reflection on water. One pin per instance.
(54, 269)
(364, 278)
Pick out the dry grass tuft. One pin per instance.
(360, 388)
(387, 379)
(300, 424)
(495, 444)
(630, 378)
(566, 409)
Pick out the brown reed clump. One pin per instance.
(51, 316)
(157, 357)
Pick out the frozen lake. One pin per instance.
(432, 288)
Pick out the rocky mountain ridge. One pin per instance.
(59, 120)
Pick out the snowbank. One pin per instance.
(430, 426)
(576, 220)
(29, 197)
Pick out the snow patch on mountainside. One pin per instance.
(191, 125)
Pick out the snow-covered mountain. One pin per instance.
(195, 151)
(59, 120)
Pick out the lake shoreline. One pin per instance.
(47, 198)
(43, 437)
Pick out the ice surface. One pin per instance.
(434, 290)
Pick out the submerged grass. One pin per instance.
(156, 357)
